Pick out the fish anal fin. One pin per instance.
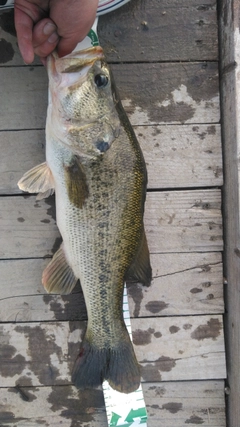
(58, 277)
(38, 180)
(140, 270)
(76, 182)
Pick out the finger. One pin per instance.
(74, 20)
(45, 37)
(24, 25)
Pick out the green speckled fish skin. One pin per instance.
(100, 181)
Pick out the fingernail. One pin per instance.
(53, 38)
(49, 29)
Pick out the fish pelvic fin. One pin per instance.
(140, 270)
(117, 365)
(38, 180)
(58, 277)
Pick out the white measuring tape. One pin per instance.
(125, 410)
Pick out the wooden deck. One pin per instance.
(164, 57)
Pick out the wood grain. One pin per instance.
(183, 284)
(230, 92)
(168, 404)
(176, 221)
(159, 31)
(169, 151)
(189, 94)
(43, 353)
(163, 31)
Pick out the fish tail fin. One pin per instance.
(123, 373)
(117, 365)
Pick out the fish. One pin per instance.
(96, 168)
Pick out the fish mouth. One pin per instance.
(76, 62)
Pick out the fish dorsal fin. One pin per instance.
(76, 182)
(58, 277)
(140, 270)
(38, 180)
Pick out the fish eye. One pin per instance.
(101, 80)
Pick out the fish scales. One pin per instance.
(96, 167)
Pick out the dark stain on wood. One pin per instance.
(11, 363)
(7, 23)
(56, 244)
(179, 111)
(51, 211)
(41, 364)
(141, 337)
(6, 417)
(150, 371)
(159, 391)
(157, 334)
(174, 329)
(136, 293)
(194, 419)
(211, 130)
(211, 330)
(6, 51)
(195, 290)
(156, 306)
(73, 307)
(45, 221)
(157, 97)
(80, 408)
(20, 219)
(187, 326)
(172, 407)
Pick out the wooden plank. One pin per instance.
(189, 94)
(168, 404)
(182, 156)
(188, 28)
(180, 221)
(21, 151)
(183, 284)
(168, 349)
(164, 31)
(169, 93)
(230, 94)
(169, 151)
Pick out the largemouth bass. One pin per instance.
(96, 168)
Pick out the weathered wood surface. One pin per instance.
(180, 30)
(170, 155)
(43, 353)
(151, 93)
(183, 284)
(184, 228)
(230, 94)
(169, 404)
(177, 30)
(176, 221)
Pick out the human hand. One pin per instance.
(43, 25)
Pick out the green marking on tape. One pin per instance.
(94, 38)
(114, 419)
(137, 413)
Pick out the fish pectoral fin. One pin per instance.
(76, 182)
(58, 277)
(38, 180)
(140, 270)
